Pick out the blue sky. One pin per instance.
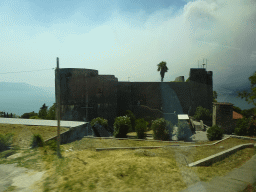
(128, 38)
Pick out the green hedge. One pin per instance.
(161, 128)
(215, 133)
(121, 126)
(101, 121)
(141, 128)
(130, 114)
(37, 141)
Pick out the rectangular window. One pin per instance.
(98, 106)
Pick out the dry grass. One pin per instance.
(23, 133)
(138, 170)
(90, 143)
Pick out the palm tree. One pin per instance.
(163, 69)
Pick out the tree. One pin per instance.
(43, 111)
(187, 80)
(132, 118)
(51, 112)
(250, 97)
(28, 115)
(163, 69)
(237, 109)
(7, 115)
(215, 95)
(1, 114)
(202, 114)
(11, 115)
(248, 112)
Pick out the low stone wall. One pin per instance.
(72, 134)
(219, 156)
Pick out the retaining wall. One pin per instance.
(74, 133)
(219, 156)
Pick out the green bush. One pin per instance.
(252, 129)
(141, 128)
(215, 133)
(37, 141)
(52, 144)
(121, 126)
(101, 121)
(130, 114)
(5, 141)
(161, 129)
(241, 126)
(28, 115)
(149, 120)
(183, 131)
(202, 114)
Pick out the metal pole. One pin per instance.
(57, 89)
(86, 101)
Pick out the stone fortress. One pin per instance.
(109, 98)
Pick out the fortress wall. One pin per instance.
(183, 92)
(123, 97)
(102, 94)
(200, 96)
(110, 98)
(192, 94)
(107, 97)
(147, 93)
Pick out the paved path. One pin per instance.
(235, 181)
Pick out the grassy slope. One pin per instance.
(23, 133)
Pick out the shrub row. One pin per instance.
(245, 128)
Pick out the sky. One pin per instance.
(127, 39)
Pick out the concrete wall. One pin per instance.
(73, 134)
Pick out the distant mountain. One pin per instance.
(20, 98)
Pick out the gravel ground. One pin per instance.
(22, 178)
